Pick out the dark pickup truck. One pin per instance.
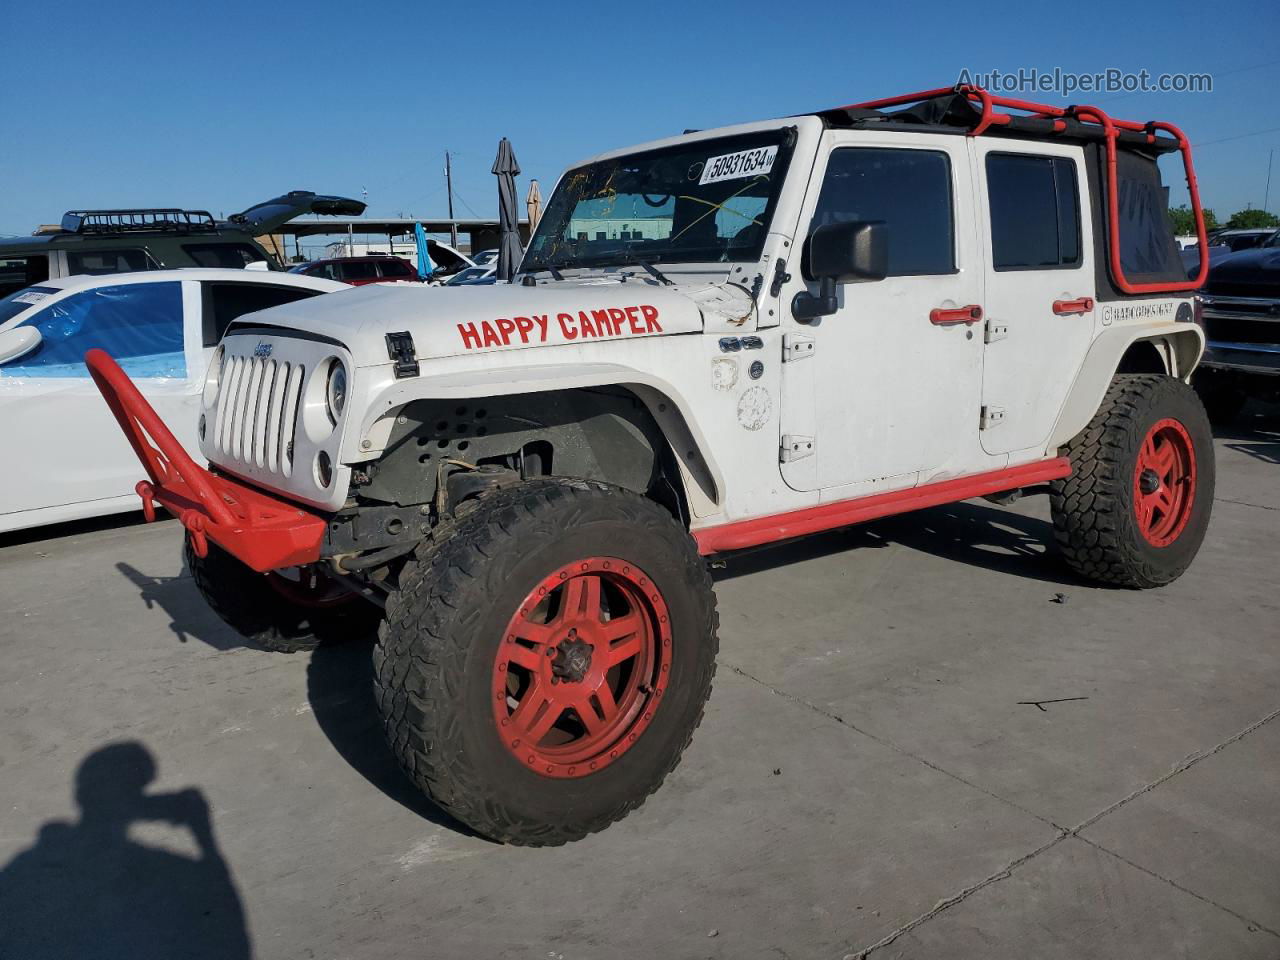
(1240, 308)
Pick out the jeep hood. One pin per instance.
(452, 322)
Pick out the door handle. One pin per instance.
(1064, 308)
(950, 316)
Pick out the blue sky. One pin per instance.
(219, 105)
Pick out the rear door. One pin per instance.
(1039, 287)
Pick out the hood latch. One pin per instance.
(400, 349)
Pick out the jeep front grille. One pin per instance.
(258, 412)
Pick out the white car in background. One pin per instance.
(67, 457)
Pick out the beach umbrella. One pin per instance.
(425, 266)
(534, 202)
(506, 170)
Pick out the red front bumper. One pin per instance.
(264, 532)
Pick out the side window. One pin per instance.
(395, 269)
(96, 262)
(231, 255)
(139, 324)
(359, 270)
(908, 190)
(224, 302)
(1035, 212)
(17, 272)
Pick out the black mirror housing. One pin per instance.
(851, 252)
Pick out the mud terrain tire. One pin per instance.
(1135, 508)
(264, 614)
(548, 592)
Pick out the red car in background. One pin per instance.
(358, 271)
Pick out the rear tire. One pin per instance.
(1135, 508)
(554, 601)
(275, 612)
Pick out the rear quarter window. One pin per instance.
(230, 255)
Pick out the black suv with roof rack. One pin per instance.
(120, 241)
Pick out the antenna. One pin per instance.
(1266, 197)
(448, 182)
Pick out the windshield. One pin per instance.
(16, 303)
(708, 201)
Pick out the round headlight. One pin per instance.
(336, 393)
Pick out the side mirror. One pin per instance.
(842, 253)
(18, 342)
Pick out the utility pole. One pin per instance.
(1266, 197)
(448, 182)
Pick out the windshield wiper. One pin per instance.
(649, 268)
(544, 265)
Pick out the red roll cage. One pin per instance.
(1111, 128)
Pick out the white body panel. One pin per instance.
(68, 457)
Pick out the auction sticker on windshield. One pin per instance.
(744, 163)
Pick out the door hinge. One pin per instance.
(795, 447)
(991, 417)
(995, 331)
(400, 349)
(796, 346)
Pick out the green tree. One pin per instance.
(1252, 219)
(1184, 222)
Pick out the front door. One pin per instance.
(885, 392)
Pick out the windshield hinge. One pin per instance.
(780, 276)
(400, 349)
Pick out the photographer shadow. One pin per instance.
(89, 890)
(340, 688)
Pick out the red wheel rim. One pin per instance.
(582, 667)
(309, 587)
(1164, 482)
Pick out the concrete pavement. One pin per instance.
(915, 748)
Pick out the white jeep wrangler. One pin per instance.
(715, 341)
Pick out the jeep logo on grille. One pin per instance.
(262, 350)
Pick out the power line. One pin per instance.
(1239, 136)
(462, 200)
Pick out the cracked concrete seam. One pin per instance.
(1244, 503)
(1064, 833)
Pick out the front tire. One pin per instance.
(542, 668)
(1136, 506)
(286, 612)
